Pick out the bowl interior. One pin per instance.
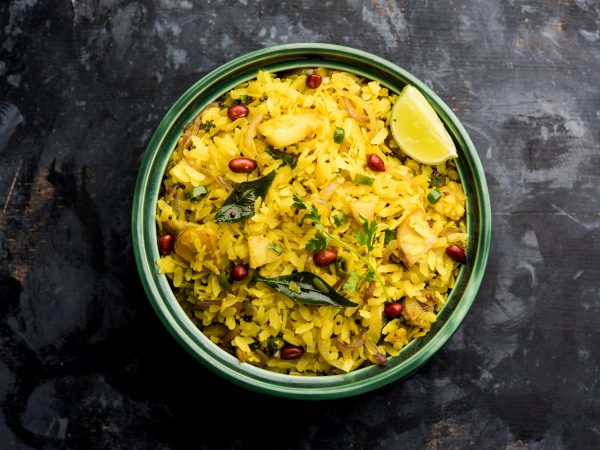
(163, 142)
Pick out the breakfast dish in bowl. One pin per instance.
(296, 232)
(311, 221)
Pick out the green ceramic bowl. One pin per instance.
(157, 287)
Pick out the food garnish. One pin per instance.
(287, 158)
(240, 203)
(307, 288)
(338, 135)
(296, 232)
(418, 130)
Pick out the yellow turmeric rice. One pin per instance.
(374, 240)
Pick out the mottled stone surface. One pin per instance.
(84, 362)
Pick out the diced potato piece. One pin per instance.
(418, 313)
(258, 247)
(415, 237)
(287, 129)
(208, 236)
(412, 310)
(184, 245)
(184, 173)
(188, 236)
(362, 208)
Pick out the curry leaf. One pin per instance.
(287, 158)
(306, 288)
(240, 203)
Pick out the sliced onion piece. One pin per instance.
(355, 115)
(374, 354)
(225, 184)
(193, 127)
(369, 291)
(329, 189)
(356, 343)
(251, 132)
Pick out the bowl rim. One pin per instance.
(144, 242)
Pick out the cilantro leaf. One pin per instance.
(298, 203)
(366, 236)
(436, 179)
(312, 215)
(208, 125)
(276, 247)
(318, 243)
(351, 284)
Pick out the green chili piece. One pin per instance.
(275, 343)
(359, 178)
(338, 135)
(341, 266)
(320, 285)
(434, 196)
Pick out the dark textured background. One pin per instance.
(85, 363)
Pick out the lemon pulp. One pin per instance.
(418, 130)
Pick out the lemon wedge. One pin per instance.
(418, 130)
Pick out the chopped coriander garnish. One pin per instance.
(243, 99)
(366, 236)
(338, 135)
(434, 196)
(319, 242)
(208, 125)
(340, 219)
(436, 179)
(359, 178)
(276, 247)
(389, 236)
(351, 283)
(312, 215)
